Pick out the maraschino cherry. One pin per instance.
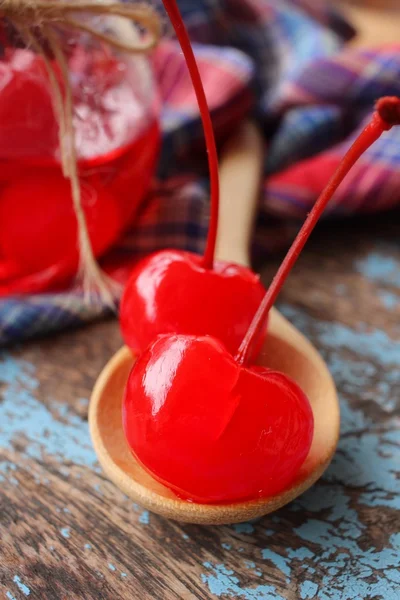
(207, 425)
(180, 292)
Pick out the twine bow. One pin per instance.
(40, 23)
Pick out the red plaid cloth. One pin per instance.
(286, 63)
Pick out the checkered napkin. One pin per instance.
(285, 62)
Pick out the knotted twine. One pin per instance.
(41, 24)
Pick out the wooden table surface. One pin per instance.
(68, 533)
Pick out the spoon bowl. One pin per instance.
(286, 350)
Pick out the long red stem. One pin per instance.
(387, 114)
(173, 12)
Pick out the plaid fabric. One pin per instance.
(286, 62)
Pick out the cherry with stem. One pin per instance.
(177, 22)
(387, 114)
(204, 421)
(179, 291)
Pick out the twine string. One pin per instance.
(45, 17)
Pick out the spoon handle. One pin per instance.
(241, 171)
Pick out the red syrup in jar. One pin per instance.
(117, 139)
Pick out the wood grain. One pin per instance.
(68, 533)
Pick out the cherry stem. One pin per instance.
(386, 115)
(173, 12)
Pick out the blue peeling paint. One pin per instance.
(6, 470)
(393, 575)
(226, 546)
(249, 564)
(56, 432)
(7, 466)
(281, 562)
(65, 532)
(88, 547)
(223, 582)
(380, 268)
(389, 300)
(124, 575)
(112, 567)
(185, 536)
(308, 589)
(374, 344)
(21, 586)
(10, 596)
(247, 528)
(144, 518)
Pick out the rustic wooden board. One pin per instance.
(67, 533)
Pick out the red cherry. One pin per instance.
(179, 292)
(171, 292)
(203, 423)
(211, 430)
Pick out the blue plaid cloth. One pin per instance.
(287, 63)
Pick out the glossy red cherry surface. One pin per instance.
(211, 430)
(171, 292)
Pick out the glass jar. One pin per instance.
(116, 139)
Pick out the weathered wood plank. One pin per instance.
(68, 533)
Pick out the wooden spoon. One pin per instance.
(377, 22)
(285, 349)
